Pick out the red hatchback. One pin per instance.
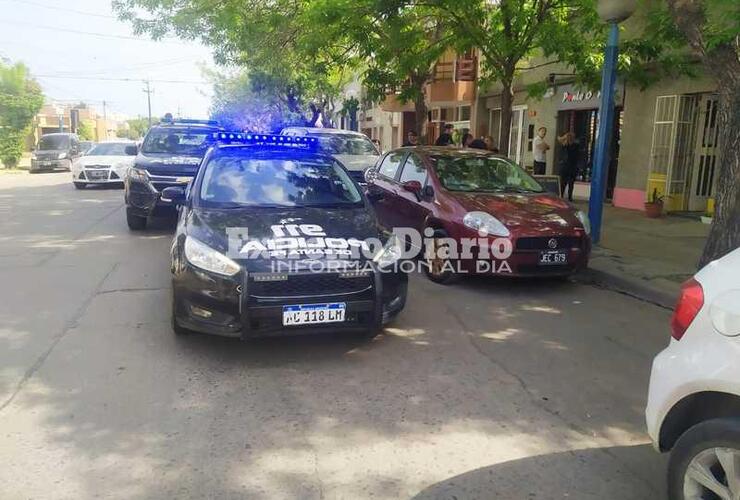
(474, 207)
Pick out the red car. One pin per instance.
(470, 195)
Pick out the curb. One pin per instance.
(633, 286)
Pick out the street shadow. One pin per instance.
(578, 474)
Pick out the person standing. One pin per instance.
(490, 145)
(445, 138)
(467, 139)
(539, 150)
(568, 162)
(411, 139)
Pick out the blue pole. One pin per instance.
(604, 134)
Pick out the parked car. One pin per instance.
(169, 156)
(693, 408)
(300, 213)
(56, 151)
(105, 163)
(459, 193)
(353, 149)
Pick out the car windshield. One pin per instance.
(49, 142)
(269, 182)
(483, 173)
(346, 144)
(108, 149)
(181, 141)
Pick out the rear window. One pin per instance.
(48, 142)
(346, 144)
(284, 182)
(108, 149)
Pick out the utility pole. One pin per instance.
(148, 91)
(105, 120)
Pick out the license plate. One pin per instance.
(553, 257)
(311, 314)
(96, 175)
(46, 163)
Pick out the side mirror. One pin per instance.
(427, 192)
(131, 150)
(412, 187)
(174, 195)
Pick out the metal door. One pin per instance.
(703, 174)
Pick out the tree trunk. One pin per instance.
(420, 112)
(507, 99)
(722, 63)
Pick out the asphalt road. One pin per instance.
(489, 389)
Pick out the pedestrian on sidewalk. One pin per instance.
(540, 147)
(411, 139)
(445, 138)
(467, 139)
(490, 145)
(478, 144)
(568, 163)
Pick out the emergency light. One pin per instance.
(281, 141)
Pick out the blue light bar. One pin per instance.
(280, 141)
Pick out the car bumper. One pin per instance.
(37, 165)
(143, 198)
(242, 307)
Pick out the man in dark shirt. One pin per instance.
(411, 139)
(445, 138)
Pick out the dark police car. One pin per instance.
(272, 238)
(169, 156)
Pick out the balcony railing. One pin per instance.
(461, 70)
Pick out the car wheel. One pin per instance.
(705, 462)
(80, 185)
(135, 222)
(438, 269)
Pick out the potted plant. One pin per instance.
(654, 206)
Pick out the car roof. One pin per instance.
(59, 133)
(449, 151)
(322, 131)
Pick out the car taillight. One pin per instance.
(689, 303)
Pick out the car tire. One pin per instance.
(700, 448)
(433, 270)
(80, 185)
(135, 222)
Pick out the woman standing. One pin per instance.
(568, 162)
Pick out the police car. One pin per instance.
(274, 237)
(169, 156)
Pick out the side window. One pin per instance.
(413, 170)
(390, 164)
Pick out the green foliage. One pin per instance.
(20, 100)
(85, 131)
(137, 128)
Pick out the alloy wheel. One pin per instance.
(713, 474)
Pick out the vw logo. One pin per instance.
(552, 243)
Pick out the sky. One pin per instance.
(72, 66)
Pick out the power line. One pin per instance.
(95, 72)
(70, 77)
(62, 9)
(88, 33)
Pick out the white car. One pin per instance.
(105, 163)
(693, 406)
(353, 149)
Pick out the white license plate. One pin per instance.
(553, 257)
(96, 175)
(46, 163)
(311, 314)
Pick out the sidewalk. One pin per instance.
(648, 258)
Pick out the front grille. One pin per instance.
(543, 242)
(310, 284)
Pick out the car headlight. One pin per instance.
(137, 174)
(390, 253)
(583, 217)
(61, 156)
(486, 223)
(202, 256)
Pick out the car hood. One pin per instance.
(168, 164)
(210, 225)
(533, 212)
(357, 162)
(106, 160)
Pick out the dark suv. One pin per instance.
(169, 156)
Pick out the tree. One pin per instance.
(712, 30)
(21, 99)
(85, 131)
(270, 39)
